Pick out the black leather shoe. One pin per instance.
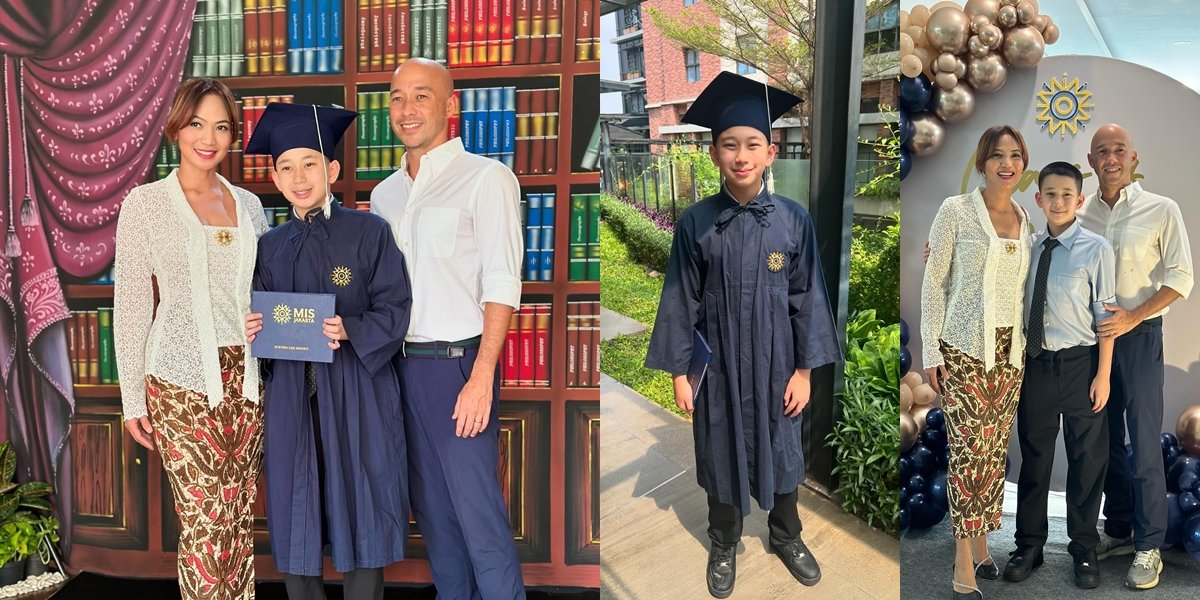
(987, 569)
(722, 569)
(1087, 571)
(1024, 560)
(799, 561)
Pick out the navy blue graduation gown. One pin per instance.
(749, 279)
(364, 502)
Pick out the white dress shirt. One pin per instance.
(459, 227)
(1078, 285)
(1150, 241)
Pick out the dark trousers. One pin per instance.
(455, 495)
(1136, 499)
(725, 521)
(1058, 383)
(359, 584)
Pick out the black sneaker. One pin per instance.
(799, 561)
(722, 569)
(1024, 560)
(1087, 571)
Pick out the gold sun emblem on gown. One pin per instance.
(775, 261)
(341, 276)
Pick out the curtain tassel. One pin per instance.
(29, 216)
(12, 244)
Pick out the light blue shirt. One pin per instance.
(1082, 280)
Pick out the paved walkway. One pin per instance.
(654, 518)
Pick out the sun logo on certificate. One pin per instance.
(341, 276)
(775, 261)
(1064, 106)
(282, 314)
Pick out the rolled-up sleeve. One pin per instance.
(1176, 252)
(497, 221)
(1104, 284)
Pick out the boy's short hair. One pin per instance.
(1065, 169)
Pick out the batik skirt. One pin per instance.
(979, 406)
(213, 457)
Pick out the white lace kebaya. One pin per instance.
(159, 235)
(973, 283)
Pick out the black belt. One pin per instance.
(439, 349)
(1146, 326)
(1065, 354)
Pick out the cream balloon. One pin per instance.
(1007, 17)
(919, 414)
(960, 67)
(903, 20)
(906, 397)
(917, 34)
(923, 394)
(992, 36)
(987, 73)
(955, 104)
(986, 8)
(1187, 429)
(945, 81)
(943, 4)
(976, 47)
(1026, 12)
(908, 431)
(947, 30)
(1009, 2)
(979, 22)
(927, 137)
(946, 62)
(918, 15)
(1050, 36)
(910, 66)
(912, 379)
(926, 61)
(906, 44)
(1041, 21)
(1023, 47)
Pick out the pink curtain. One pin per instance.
(87, 86)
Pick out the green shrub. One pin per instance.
(866, 439)
(648, 244)
(875, 271)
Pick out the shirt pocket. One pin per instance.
(1072, 289)
(1136, 242)
(437, 231)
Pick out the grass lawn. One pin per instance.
(626, 289)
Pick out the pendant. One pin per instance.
(224, 237)
(1010, 247)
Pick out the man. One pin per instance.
(456, 218)
(1154, 268)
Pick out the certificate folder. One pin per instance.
(701, 356)
(292, 326)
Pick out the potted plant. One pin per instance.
(45, 536)
(21, 528)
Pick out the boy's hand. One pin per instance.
(796, 395)
(683, 394)
(334, 331)
(1099, 393)
(253, 326)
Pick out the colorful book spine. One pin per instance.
(212, 63)
(537, 132)
(390, 15)
(585, 344)
(324, 39)
(279, 36)
(375, 22)
(533, 233)
(521, 135)
(237, 35)
(249, 120)
(508, 128)
(224, 38)
(495, 122)
(454, 124)
(335, 37)
(521, 27)
(468, 119)
(506, 31)
(511, 341)
(107, 361)
(266, 41)
(553, 31)
(546, 267)
(577, 238)
(440, 25)
(551, 132)
(572, 344)
(197, 46)
(595, 55)
(583, 31)
(295, 33)
(384, 134)
(481, 121)
(362, 20)
(537, 32)
(525, 362)
(480, 24)
(453, 23)
(594, 342)
(493, 32)
(417, 16)
(403, 26)
(250, 33)
(308, 37)
(93, 347)
(541, 345)
(466, 33)
(374, 139)
(593, 247)
(361, 140)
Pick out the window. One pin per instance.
(691, 62)
(630, 19)
(634, 102)
(747, 42)
(632, 61)
(882, 33)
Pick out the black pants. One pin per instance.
(1058, 383)
(359, 584)
(1135, 500)
(725, 521)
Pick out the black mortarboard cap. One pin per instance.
(284, 126)
(731, 100)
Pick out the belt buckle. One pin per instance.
(455, 352)
(403, 349)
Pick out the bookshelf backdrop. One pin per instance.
(527, 76)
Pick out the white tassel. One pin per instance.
(29, 216)
(12, 244)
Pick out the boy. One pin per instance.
(744, 271)
(335, 447)
(1067, 374)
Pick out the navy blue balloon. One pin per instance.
(923, 459)
(1170, 453)
(905, 164)
(934, 438)
(904, 132)
(906, 468)
(903, 332)
(1167, 439)
(1190, 536)
(917, 484)
(1181, 465)
(905, 360)
(904, 519)
(922, 513)
(904, 495)
(1189, 481)
(915, 93)
(942, 458)
(936, 419)
(937, 492)
(1188, 502)
(1175, 519)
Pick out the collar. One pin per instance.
(316, 222)
(1067, 237)
(1128, 194)
(434, 161)
(761, 198)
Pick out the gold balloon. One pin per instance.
(979, 22)
(945, 63)
(926, 61)
(1007, 16)
(918, 15)
(918, 414)
(987, 8)
(955, 104)
(923, 394)
(976, 46)
(927, 137)
(1026, 12)
(947, 30)
(908, 431)
(910, 66)
(912, 379)
(1041, 21)
(1187, 429)
(992, 36)
(906, 44)
(945, 81)
(1051, 33)
(1009, 2)
(917, 34)
(987, 73)
(906, 398)
(1023, 47)
(903, 20)
(960, 67)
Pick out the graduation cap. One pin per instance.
(731, 100)
(285, 126)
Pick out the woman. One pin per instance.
(187, 384)
(973, 342)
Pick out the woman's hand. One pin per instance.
(141, 430)
(932, 374)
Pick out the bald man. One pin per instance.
(1154, 269)
(456, 218)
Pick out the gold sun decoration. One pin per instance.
(341, 276)
(282, 314)
(775, 261)
(1064, 106)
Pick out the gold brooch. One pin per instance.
(341, 276)
(1010, 247)
(224, 237)
(775, 261)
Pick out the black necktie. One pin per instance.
(1037, 304)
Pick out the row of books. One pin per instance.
(488, 118)
(584, 243)
(526, 357)
(379, 151)
(537, 213)
(266, 37)
(583, 343)
(90, 347)
(587, 30)
(536, 140)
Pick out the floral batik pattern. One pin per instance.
(979, 406)
(213, 458)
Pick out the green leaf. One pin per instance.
(38, 503)
(8, 462)
(34, 489)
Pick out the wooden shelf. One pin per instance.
(97, 391)
(547, 394)
(362, 185)
(281, 82)
(89, 290)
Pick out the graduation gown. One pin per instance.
(364, 500)
(749, 279)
